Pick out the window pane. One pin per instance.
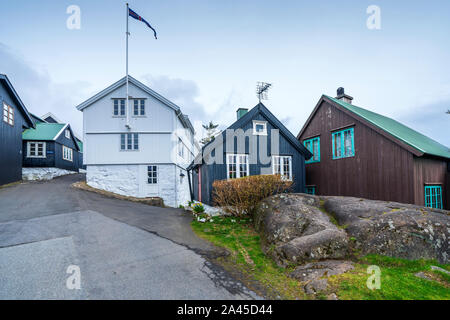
(276, 165)
(152, 174)
(348, 143)
(129, 141)
(231, 166)
(243, 166)
(142, 107)
(116, 107)
(315, 151)
(122, 107)
(286, 167)
(122, 141)
(136, 141)
(337, 145)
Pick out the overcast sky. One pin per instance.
(210, 54)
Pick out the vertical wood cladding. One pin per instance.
(430, 171)
(380, 169)
(10, 141)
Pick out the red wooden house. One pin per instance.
(364, 154)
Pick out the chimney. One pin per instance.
(343, 97)
(241, 112)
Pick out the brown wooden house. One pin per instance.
(360, 153)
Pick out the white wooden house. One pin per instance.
(147, 158)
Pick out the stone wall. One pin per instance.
(131, 180)
(29, 174)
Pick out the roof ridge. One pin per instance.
(427, 146)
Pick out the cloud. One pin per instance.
(185, 93)
(181, 92)
(430, 120)
(39, 92)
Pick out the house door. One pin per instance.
(200, 183)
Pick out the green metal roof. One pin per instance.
(43, 131)
(411, 137)
(80, 145)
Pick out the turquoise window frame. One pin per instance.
(341, 134)
(310, 190)
(433, 200)
(311, 148)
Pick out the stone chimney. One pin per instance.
(241, 112)
(342, 96)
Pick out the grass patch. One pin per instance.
(398, 281)
(238, 236)
(10, 184)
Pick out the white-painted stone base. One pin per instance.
(132, 180)
(29, 174)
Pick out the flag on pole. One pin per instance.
(138, 17)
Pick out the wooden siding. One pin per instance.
(430, 171)
(213, 172)
(54, 156)
(380, 169)
(10, 141)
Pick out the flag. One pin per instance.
(138, 17)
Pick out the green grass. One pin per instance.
(397, 275)
(243, 243)
(398, 281)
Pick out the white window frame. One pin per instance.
(281, 163)
(157, 175)
(67, 133)
(35, 155)
(139, 106)
(133, 140)
(119, 108)
(258, 122)
(8, 114)
(67, 153)
(181, 152)
(238, 163)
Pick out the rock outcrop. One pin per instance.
(393, 229)
(294, 230)
(315, 274)
(298, 228)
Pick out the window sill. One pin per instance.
(119, 116)
(343, 157)
(260, 133)
(308, 162)
(36, 157)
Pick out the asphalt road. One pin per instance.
(123, 250)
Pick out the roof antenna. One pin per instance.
(261, 90)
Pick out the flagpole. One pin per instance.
(127, 34)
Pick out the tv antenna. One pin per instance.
(261, 90)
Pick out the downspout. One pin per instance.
(191, 192)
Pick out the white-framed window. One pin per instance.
(181, 151)
(8, 114)
(36, 149)
(139, 107)
(259, 128)
(282, 165)
(67, 133)
(152, 174)
(129, 141)
(237, 166)
(67, 153)
(119, 107)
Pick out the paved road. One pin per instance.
(124, 250)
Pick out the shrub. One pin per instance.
(241, 196)
(198, 208)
